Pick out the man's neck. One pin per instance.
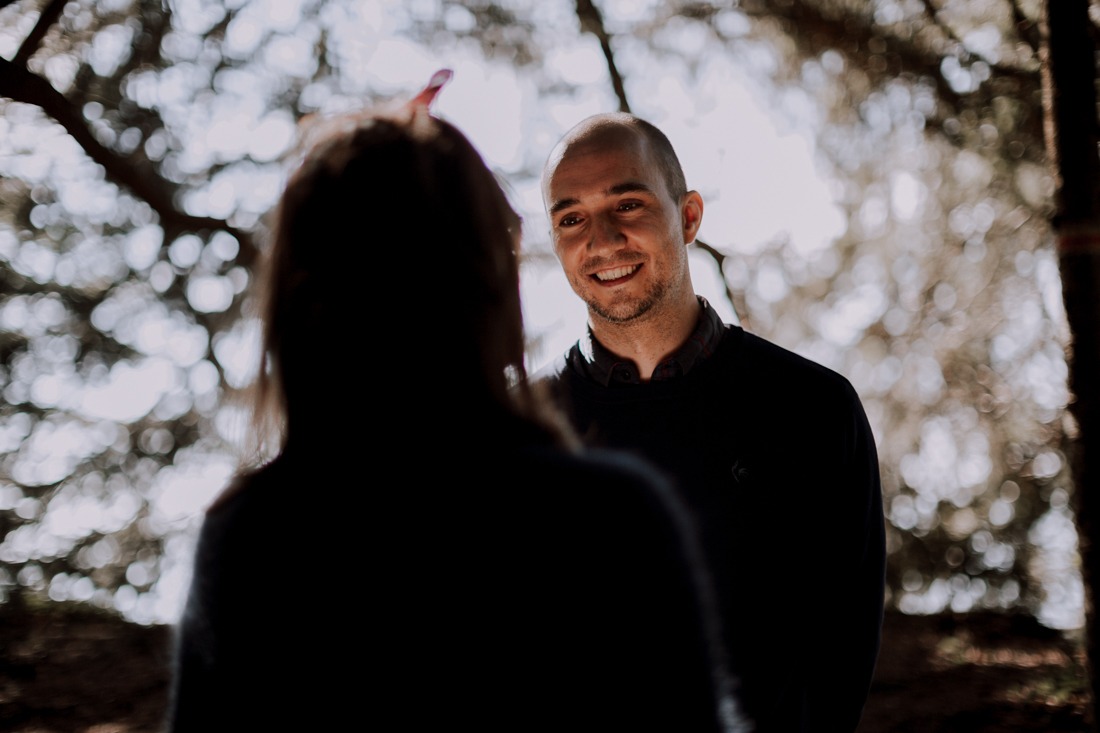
(647, 341)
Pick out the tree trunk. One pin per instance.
(1069, 102)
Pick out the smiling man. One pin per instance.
(773, 451)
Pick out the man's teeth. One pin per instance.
(616, 273)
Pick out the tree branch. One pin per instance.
(141, 179)
(736, 300)
(592, 22)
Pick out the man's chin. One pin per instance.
(618, 313)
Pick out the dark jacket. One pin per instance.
(775, 456)
(507, 587)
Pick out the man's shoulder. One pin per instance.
(763, 353)
(764, 362)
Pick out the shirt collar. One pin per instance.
(597, 362)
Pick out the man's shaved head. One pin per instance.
(612, 126)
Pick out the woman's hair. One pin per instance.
(391, 278)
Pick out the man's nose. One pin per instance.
(606, 234)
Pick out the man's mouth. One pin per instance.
(616, 273)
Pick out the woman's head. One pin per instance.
(392, 265)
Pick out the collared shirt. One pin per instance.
(596, 362)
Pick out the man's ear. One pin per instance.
(691, 215)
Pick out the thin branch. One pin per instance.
(736, 300)
(592, 22)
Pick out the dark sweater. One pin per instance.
(775, 456)
(488, 584)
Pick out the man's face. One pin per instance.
(616, 230)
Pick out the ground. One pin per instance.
(70, 669)
(978, 673)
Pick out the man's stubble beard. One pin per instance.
(630, 310)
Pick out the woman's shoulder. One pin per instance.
(259, 495)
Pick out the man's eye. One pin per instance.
(568, 221)
(629, 205)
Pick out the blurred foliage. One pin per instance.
(133, 187)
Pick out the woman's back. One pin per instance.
(527, 590)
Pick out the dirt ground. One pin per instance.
(977, 673)
(74, 670)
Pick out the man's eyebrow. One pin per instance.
(616, 190)
(562, 204)
(629, 187)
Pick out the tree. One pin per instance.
(1069, 83)
(126, 246)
